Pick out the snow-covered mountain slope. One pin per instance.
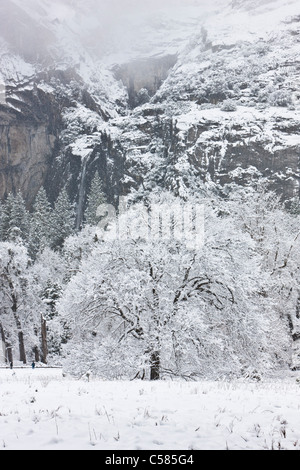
(151, 95)
(228, 110)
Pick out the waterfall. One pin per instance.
(81, 192)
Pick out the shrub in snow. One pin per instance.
(280, 98)
(228, 106)
(262, 48)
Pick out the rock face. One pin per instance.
(24, 151)
(26, 148)
(142, 78)
(214, 98)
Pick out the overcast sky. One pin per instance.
(117, 8)
(103, 25)
(121, 24)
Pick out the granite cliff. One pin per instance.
(175, 97)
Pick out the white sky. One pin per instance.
(121, 27)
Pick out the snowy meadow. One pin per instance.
(42, 410)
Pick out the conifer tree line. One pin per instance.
(45, 226)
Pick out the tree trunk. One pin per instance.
(36, 354)
(9, 353)
(19, 327)
(3, 342)
(155, 355)
(155, 366)
(22, 347)
(44, 340)
(35, 349)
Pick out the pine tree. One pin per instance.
(95, 198)
(15, 219)
(41, 227)
(63, 219)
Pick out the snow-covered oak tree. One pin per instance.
(19, 320)
(152, 308)
(276, 234)
(48, 277)
(29, 327)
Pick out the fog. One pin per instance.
(120, 25)
(32, 27)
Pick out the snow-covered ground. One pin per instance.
(42, 410)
